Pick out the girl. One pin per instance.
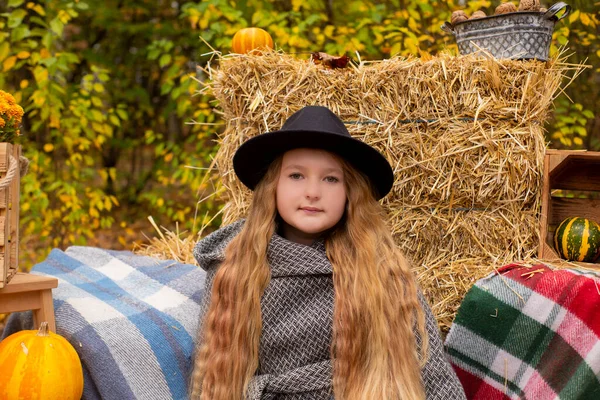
(309, 297)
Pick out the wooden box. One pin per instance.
(571, 189)
(10, 181)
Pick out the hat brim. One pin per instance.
(253, 157)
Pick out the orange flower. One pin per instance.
(11, 115)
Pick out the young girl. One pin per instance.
(309, 297)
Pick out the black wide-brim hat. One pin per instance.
(312, 127)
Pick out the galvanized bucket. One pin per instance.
(521, 35)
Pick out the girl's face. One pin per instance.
(311, 195)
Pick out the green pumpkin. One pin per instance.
(578, 239)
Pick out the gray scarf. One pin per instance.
(297, 311)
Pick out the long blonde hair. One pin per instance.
(376, 309)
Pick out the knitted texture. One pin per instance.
(529, 333)
(297, 313)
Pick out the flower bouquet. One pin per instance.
(10, 117)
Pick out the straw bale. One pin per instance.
(451, 248)
(463, 134)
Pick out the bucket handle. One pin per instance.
(448, 27)
(555, 9)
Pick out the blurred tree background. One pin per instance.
(110, 97)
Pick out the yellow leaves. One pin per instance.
(97, 115)
(40, 74)
(4, 50)
(48, 147)
(412, 24)
(44, 54)
(328, 31)
(54, 121)
(9, 63)
(297, 41)
(38, 98)
(96, 101)
(94, 212)
(297, 4)
(24, 84)
(585, 19)
(23, 54)
(193, 21)
(574, 16)
(356, 45)
(37, 8)
(64, 16)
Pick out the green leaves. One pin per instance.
(16, 17)
(110, 91)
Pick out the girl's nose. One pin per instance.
(313, 189)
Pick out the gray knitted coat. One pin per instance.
(297, 311)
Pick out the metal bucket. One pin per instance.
(521, 35)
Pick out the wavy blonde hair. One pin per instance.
(376, 308)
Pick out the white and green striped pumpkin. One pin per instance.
(578, 239)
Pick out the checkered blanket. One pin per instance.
(132, 320)
(529, 333)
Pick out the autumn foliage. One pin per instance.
(116, 129)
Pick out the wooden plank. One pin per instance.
(46, 311)
(577, 174)
(3, 198)
(550, 255)
(3, 280)
(15, 190)
(578, 152)
(16, 302)
(5, 152)
(555, 160)
(23, 282)
(545, 205)
(563, 207)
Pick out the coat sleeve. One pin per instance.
(439, 378)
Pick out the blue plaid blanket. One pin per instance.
(132, 320)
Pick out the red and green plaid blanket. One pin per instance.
(529, 333)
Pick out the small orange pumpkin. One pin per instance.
(247, 39)
(39, 365)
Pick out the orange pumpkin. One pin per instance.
(247, 39)
(39, 365)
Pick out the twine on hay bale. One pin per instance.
(464, 135)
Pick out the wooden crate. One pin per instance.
(570, 172)
(9, 213)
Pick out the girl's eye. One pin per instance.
(295, 176)
(331, 179)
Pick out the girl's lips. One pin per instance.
(311, 209)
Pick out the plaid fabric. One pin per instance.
(297, 310)
(131, 319)
(529, 333)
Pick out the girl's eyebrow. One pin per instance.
(327, 170)
(294, 166)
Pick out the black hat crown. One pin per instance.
(315, 119)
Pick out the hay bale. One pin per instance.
(464, 135)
